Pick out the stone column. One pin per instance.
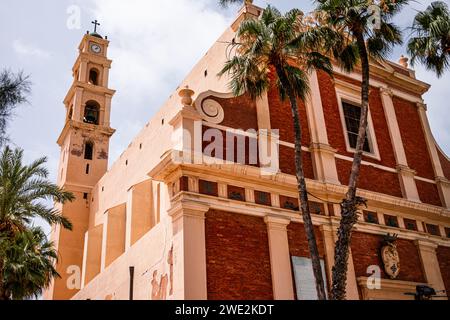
(106, 118)
(83, 71)
(105, 76)
(78, 105)
(443, 183)
(188, 222)
(329, 240)
(406, 175)
(430, 264)
(280, 260)
(321, 151)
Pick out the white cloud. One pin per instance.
(25, 49)
(153, 47)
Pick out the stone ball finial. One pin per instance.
(403, 61)
(186, 96)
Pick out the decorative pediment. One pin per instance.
(209, 109)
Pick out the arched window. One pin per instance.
(88, 150)
(91, 113)
(93, 77)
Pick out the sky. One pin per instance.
(153, 47)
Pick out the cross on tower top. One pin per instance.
(95, 23)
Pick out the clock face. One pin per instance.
(96, 48)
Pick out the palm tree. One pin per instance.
(356, 43)
(271, 47)
(22, 187)
(431, 42)
(28, 264)
(13, 91)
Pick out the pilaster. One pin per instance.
(188, 222)
(442, 182)
(406, 175)
(329, 240)
(280, 260)
(430, 264)
(322, 153)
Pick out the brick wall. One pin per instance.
(240, 112)
(372, 179)
(413, 138)
(281, 118)
(298, 244)
(287, 162)
(428, 193)
(237, 257)
(445, 164)
(366, 252)
(443, 254)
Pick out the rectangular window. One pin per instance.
(263, 198)
(208, 188)
(433, 229)
(352, 114)
(370, 217)
(391, 221)
(289, 203)
(236, 193)
(410, 224)
(316, 208)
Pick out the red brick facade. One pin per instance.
(281, 118)
(443, 254)
(287, 163)
(428, 193)
(240, 112)
(298, 244)
(366, 252)
(237, 257)
(237, 252)
(445, 164)
(371, 178)
(413, 138)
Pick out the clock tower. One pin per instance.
(84, 143)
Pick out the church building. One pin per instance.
(193, 210)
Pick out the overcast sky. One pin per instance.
(153, 46)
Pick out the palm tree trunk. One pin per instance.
(3, 295)
(350, 205)
(301, 186)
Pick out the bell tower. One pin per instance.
(84, 143)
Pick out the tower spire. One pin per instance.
(84, 142)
